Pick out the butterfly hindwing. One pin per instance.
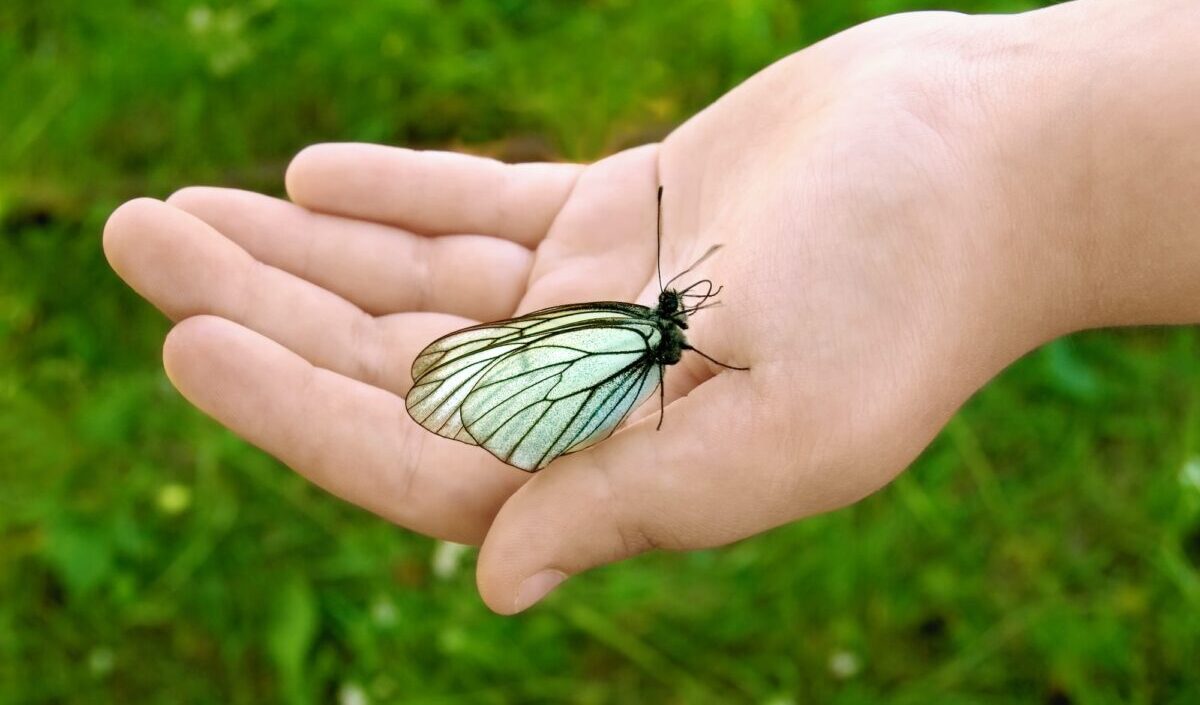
(533, 388)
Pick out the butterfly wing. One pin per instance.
(561, 394)
(533, 388)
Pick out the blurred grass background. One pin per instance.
(1045, 549)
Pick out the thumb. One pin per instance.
(687, 486)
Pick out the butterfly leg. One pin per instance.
(715, 362)
(662, 396)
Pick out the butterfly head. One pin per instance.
(670, 303)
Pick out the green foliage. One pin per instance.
(1046, 548)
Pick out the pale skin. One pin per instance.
(906, 208)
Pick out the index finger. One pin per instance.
(433, 193)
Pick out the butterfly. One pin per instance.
(555, 381)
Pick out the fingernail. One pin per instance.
(536, 586)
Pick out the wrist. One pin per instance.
(1026, 137)
(1091, 106)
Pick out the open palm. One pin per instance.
(842, 211)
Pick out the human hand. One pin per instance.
(873, 280)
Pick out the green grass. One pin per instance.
(1045, 549)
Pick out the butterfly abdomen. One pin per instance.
(671, 344)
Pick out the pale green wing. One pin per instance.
(563, 393)
(446, 372)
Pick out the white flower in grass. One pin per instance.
(383, 612)
(446, 558)
(352, 694)
(844, 664)
(199, 18)
(1189, 475)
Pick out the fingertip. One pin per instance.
(132, 211)
(495, 593)
(560, 523)
(122, 227)
(529, 592)
(187, 342)
(175, 346)
(298, 174)
(317, 166)
(507, 598)
(534, 588)
(192, 198)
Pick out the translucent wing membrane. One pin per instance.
(533, 388)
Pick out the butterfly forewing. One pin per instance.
(533, 388)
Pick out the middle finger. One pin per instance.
(380, 268)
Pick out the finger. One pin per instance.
(381, 269)
(354, 440)
(686, 487)
(431, 192)
(186, 268)
(602, 247)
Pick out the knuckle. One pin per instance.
(409, 458)
(366, 342)
(620, 510)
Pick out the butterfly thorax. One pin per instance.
(671, 320)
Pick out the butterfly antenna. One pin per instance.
(715, 362)
(695, 264)
(709, 292)
(692, 311)
(658, 255)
